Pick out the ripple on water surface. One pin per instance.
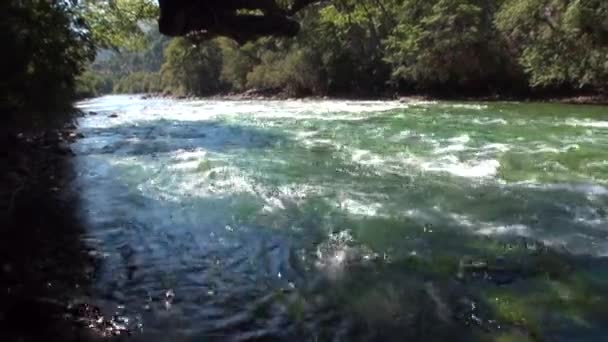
(345, 220)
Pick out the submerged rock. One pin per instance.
(497, 271)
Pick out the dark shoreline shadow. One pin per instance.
(44, 263)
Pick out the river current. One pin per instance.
(346, 220)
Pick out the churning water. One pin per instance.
(347, 220)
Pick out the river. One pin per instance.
(347, 220)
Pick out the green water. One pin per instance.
(341, 220)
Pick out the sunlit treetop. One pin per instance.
(119, 23)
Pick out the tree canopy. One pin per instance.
(61, 49)
(46, 44)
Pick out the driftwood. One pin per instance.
(241, 20)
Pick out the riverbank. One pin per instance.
(277, 94)
(44, 263)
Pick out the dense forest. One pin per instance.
(383, 47)
(344, 48)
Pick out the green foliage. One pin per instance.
(122, 62)
(296, 72)
(237, 63)
(50, 45)
(451, 43)
(139, 82)
(91, 84)
(349, 34)
(559, 42)
(46, 45)
(345, 47)
(191, 68)
(127, 71)
(119, 23)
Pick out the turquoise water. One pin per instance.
(348, 220)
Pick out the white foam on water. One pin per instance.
(597, 164)
(410, 135)
(360, 208)
(543, 148)
(490, 228)
(571, 147)
(456, 144)
(216, 182)
(595, 222)
(490, 121)
(496, 147)
(303, 135)
(587, 123)
(424, 103)
(184, 155)
(415, 102)
(225, 181)
(467, 169)
(403, 134)
(185, 165)
(366, 157)
(462, 139)
(451, 148)
(320, 143)
(461, 145)
(132, 110)
(403, 163)
(587, 189)
(466, 106)
(512, 229)
(278, 198)
(334, 255)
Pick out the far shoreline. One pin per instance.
(262, 95)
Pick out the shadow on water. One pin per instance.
(161, 136)
(44, 263)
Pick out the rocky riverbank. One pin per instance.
(44, 264)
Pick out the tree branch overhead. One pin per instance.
(241, 20)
